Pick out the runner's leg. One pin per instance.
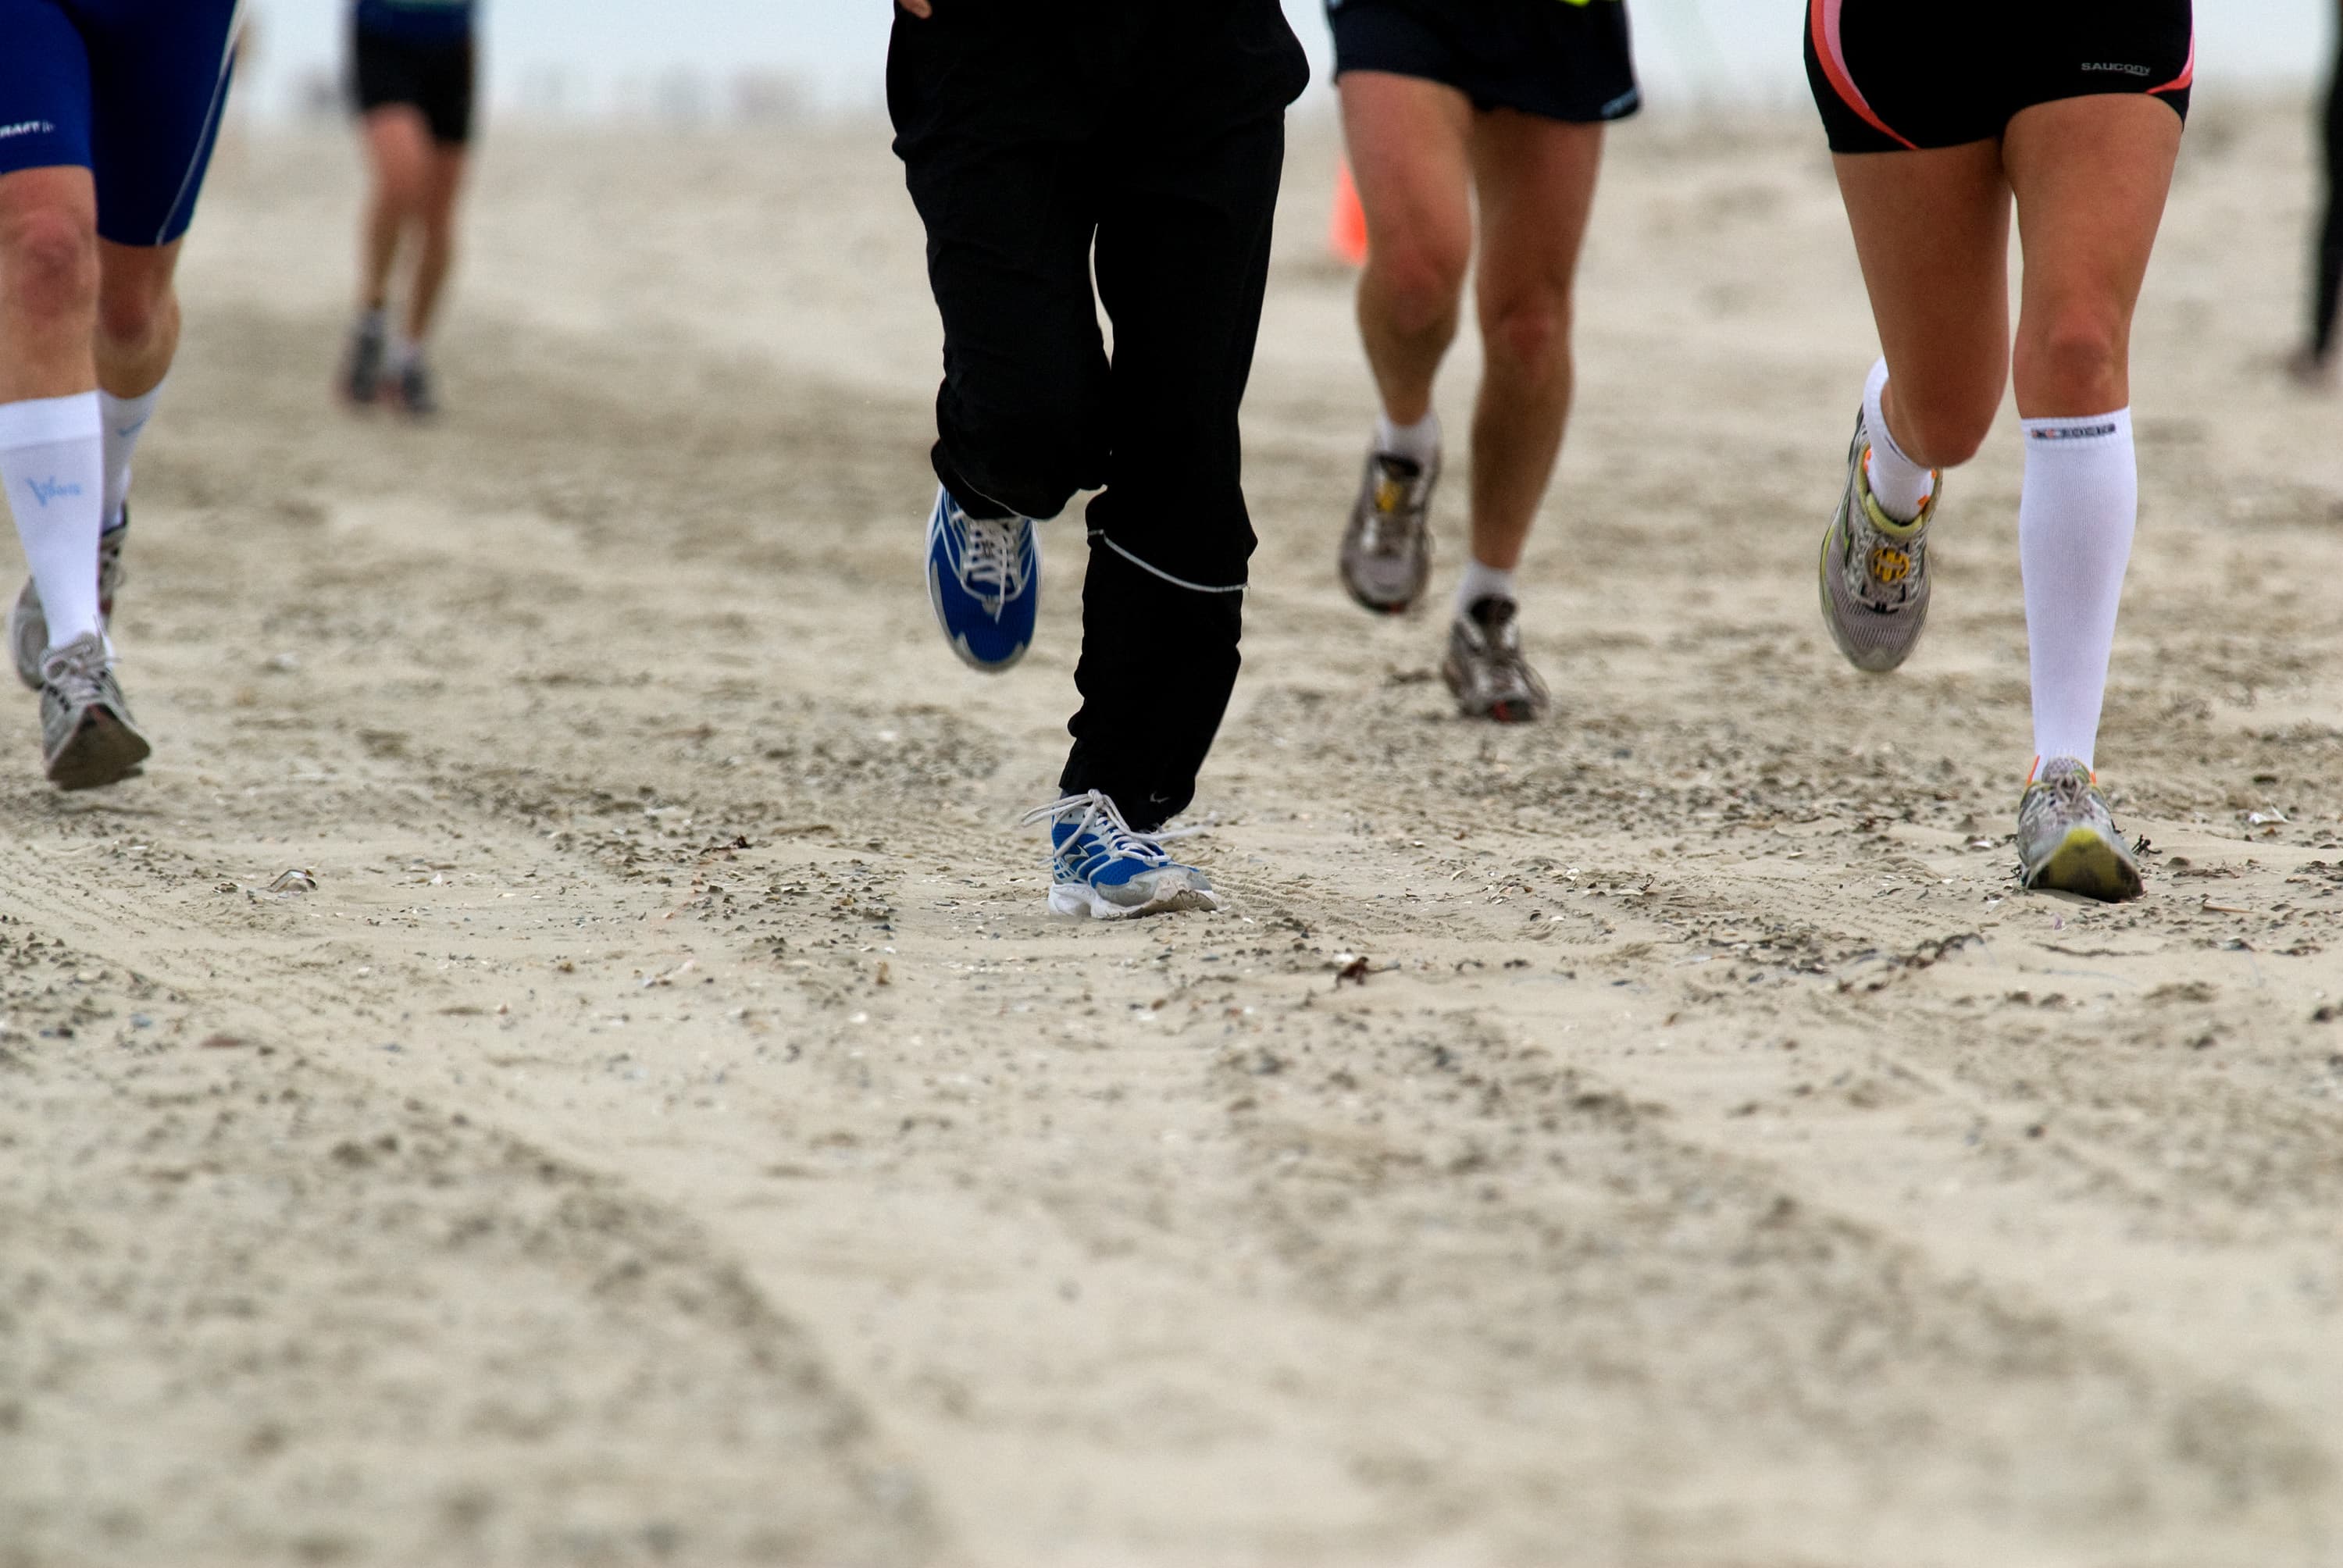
(2091, 176)
(1410, 144)
(994, 141)
(1932, 233)
(1183, 268)
(443, 180)
(48, 282)
(1535, 177)
(398, 152)
(51, 455)
(137, 339)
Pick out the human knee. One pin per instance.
(1417, 282)
(1532, 333)
(2071, 361)
(49, 260)
(1028, 457)
(1941, 427)
(133, 312)
(398, 190)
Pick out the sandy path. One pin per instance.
(672, 1132)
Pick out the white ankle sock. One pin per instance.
(1899, 485)
(2075, 522)
(1419, 442)
(1481, 582)
(52, 464)
(125, 418)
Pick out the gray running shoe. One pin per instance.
(28, 623)
(87, 737)
(1387, 545)
(1485, 669)
(2067, 837)
(1874, 570)
(362, 369)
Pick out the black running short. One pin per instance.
(1560, 59)
(434, 77)
(1897, 75)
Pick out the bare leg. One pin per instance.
(443, 182)
(1410, 151)
(398, 148)
(48, 283)
(137, 317)
(2091, 176)
(1536, 180)
(1931, 231)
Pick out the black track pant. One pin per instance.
(2328, 288)
(1041, 137)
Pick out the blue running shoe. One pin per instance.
(1100, 867)
(984, 580)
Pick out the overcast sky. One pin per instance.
(600, 54)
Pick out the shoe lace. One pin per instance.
(991, 562)
(76, 672)
(1098, 818)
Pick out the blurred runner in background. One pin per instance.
(412, 67)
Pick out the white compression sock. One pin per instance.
(126, 419)
(52, 464)
(1481, 582)
(1899, 485)
(2075, 522)
(1419, 442)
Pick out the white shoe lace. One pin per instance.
(991, 566)
(77, 671)
(1102, 820)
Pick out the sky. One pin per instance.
(598, 56)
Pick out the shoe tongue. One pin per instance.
(1492, 611)
(1397, 466)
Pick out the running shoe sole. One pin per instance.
(2085, 864)
(104, 751)
(1080, 899)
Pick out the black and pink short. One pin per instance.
(1893, 76)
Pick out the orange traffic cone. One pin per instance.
(1346, 235)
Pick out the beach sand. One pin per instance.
(673, 1130)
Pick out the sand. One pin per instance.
(672, 1130)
